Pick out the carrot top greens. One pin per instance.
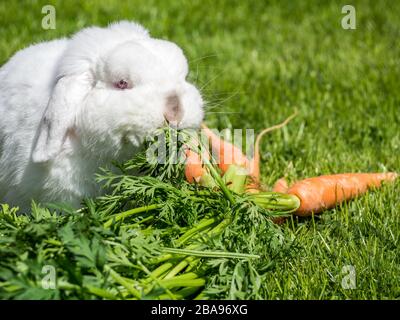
(151, 236)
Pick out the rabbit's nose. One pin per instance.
(173, 110)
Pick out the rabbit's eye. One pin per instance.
(122, 84)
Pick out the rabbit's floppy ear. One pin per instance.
(59, 116)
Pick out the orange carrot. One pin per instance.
(196, 170)
(325, 192)
(193, 166)
(226, 153)
(231, 160)
(254, 165)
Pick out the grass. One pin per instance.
(255, 62)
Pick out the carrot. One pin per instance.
(315, 194)
(193, 166)
(227, 153)
(232, 162)
(196, 169)
(325, 192)
(254, 165)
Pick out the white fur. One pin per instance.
(61, 117)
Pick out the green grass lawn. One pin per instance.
(256, 61)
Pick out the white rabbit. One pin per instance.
(70, 106)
